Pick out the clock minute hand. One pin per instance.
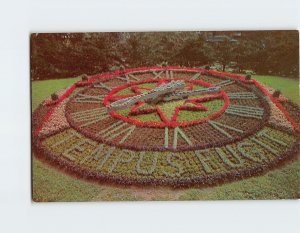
(151, 95)
(185, 94)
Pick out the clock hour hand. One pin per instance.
(150, 96)
(185, 94)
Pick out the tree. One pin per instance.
(193, 53)
(70, 54)
(225, 52)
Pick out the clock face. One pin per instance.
(213, 127)
(181, 124)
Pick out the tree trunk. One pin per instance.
(224, 66)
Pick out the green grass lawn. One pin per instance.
(52, 185)
(43, 89)
(289, 87)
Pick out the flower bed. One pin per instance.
(240, 132)
(200, 167)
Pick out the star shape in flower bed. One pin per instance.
(168, 111)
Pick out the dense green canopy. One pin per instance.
(70, 54)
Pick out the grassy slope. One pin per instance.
(43, 89)
(289, 87)
(52, 185)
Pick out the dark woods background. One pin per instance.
(61, 55)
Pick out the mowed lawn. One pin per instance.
(43, 89)
(50, 184)
(289, 87)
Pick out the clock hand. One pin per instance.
(149, 96)
(185, 94)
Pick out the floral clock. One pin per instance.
(166, 126)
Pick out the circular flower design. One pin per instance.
(183, 137)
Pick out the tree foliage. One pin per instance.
(58, 55)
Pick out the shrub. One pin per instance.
(84, 77)
(207, 67)
(54, 96)
(248, 76)
(276, 93)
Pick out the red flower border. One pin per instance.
(279, 105)
(55, 103)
